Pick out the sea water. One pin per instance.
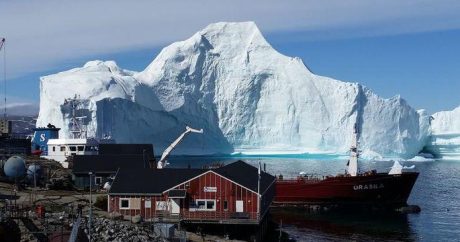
(437, 192)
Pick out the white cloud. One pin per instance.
(41, 34)
(19, 106)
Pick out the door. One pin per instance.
(239, 206)
(175, 207)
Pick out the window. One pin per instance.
(161, 206)
(54, 148)
(225, 205)
(73, 148)
(124, 203)
(62, 148)
(98, 180)
(203, 205)
(81, 148)
(210, 205)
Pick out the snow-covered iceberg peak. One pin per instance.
(228, 80)
(262, 100)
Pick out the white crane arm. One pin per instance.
(162, 161)
(2, 41)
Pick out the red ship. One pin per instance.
(352, 188)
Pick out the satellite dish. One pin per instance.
(15, 167)
(34, 170)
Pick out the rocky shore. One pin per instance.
(114, 230)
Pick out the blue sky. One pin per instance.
(393, 47)
(423, 67)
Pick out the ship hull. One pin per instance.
(378, 189)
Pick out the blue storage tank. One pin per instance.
(34, 170)
(41, 137)
(15, 167)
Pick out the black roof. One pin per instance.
(246, 175)
(151, 181)
(177, 193)
(156, 181)
(126, 149)
(107, 163)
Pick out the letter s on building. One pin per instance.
(42, 137)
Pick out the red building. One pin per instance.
(232, 194)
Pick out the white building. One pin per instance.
(60, 149)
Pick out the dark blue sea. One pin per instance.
(437, 192)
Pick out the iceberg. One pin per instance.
(444, 141)
(247, 97)
(112, 106)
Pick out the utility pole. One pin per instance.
(35, 177)
(34, 190)
(61, 219)
(281, 230)
(90, 204)
(258, 192)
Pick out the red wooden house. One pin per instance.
(232, 194)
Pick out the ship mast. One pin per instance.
(76, 123)
(354, 154)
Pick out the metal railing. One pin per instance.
(304, 178)
(184, 214)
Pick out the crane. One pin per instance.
(2, 42)
(162, 162)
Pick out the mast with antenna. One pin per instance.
(76, 123)
(2, 46)
(5, 125)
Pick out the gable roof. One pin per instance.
(82, 164)
(150, 181)
(157, 181)
(246, 175)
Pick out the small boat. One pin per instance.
(371, 188)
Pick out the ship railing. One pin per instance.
(306, 177)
